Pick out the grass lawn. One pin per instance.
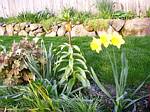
(137, 49)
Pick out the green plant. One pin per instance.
(12, 98)
(105, 9)
(48, 23)
(66, 14)
(72, 66)
(28, 17)
(12, 68)
(79, 104)
(42, 67)
(123, 15)
(80, 17)
(44, 15)
(33, 97)
(148, 13)
(2, 19)
(74, 16)
(97, 24)
(10, 20)
(122, 99)
(39, 96)
(34, 17)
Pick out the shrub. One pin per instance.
(42, 67)
(123, 15)
(148, 13)
(47, 24)
(80, 104)
(34, 17)
(105, 9)
(2, 19)
(11, 20)
(74, 16)
(97, 24)
(12, 66)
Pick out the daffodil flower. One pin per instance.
(105, 39)
(96, 45)
(117, 40)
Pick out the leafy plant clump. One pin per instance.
(34, 17)
(97, 24)
(75, 16)
(105, 9)
(123, 15)
(71, 65)
(148, 13)
(48, 23)
(56, 75)
(12, 68)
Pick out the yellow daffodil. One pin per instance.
(105, 39)
(96, 45)
(117, 40)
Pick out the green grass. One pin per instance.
(138, 55)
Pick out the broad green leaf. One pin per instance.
(99, 84)
(76, 48)
(66, 75)
(81, 62)
(70, 85)
(84, 82)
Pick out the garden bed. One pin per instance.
(75, 61)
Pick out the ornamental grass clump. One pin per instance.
(122, 100)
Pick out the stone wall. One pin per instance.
(136, 27)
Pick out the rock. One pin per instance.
(40, 26)
(110, 29)
(23, 25)
(61, 31)
(9, 30)
(40, 34)
(13, 24)
(22, 33)
(52, 34)
(33, 26)
(2, 30)
(48, 30)
(15, 33)
(31, 33)
(101, 32)
(4, 25)
(39, 30)
(55, 28)
(1, 24)
(79, 30)
(137, 26)
(17, 27)
(117, 24)
(27, 29)
(89, 28)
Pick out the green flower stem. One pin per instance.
(116, 78)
